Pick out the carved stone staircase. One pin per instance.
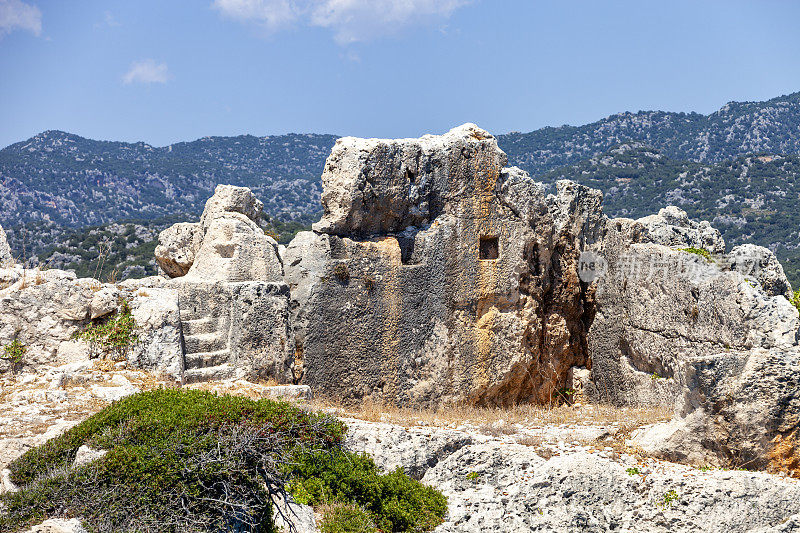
(206, 345)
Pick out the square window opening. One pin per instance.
(489, 248)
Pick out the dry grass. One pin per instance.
(497, 418)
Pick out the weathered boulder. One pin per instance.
(177, 247)
(6, 258)
(180, 245)
(441, 276)
(760, 263)
(160, 340)
(673, 227)
(677, 328)
(43, 310)
(231, 199)
(235, 249)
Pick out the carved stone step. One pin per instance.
(206, 359)
(195, 326)
(211, 373)
(205, 342)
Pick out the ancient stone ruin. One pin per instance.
(437, 275)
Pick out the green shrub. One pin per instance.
(183, 460)
(795, 300)
(395, 501)
(14, 353)
(669, 498)
(702, 252)
(346, 518)
(111, 336)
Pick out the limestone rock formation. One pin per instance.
(177, 247)
(231, 199)
(673, 227)
(676, 328)
(235, 249)
(6, 259)
(761, 264)
(440, 275)
(496, 484)
(44, 309)
(232, 303)
(227, 244)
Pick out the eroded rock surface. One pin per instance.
(495, 484)
(5, 251)
(677, 328)
(177, 248)
(440, 275)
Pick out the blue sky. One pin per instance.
(166, 71)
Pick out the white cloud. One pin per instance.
(272, 14)
(349, 20)
(146, 71)
(109, 21)
(18, 14)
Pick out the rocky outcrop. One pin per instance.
(43, 310)
(231, 199)
(177, 247)
(436, 275)
(673, 227)
(497, 484)
(440, 275)
(683, 329)
(227, 244)
(235, 249)
(759, 263)
(6, 258)
(227, 317)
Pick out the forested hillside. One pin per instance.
(61, 194)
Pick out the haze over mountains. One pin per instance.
(721, 167)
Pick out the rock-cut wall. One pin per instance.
(438, 275)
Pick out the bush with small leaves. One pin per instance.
(346, 518)
(189, 460)
(14, 353)
(394, 501)
(111, 336)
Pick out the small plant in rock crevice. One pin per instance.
(795, 300)
(14, 353)
(112, 336)
(702, 252)
(632, 471)
(341, 272)
(669, 498)
(473, 476)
